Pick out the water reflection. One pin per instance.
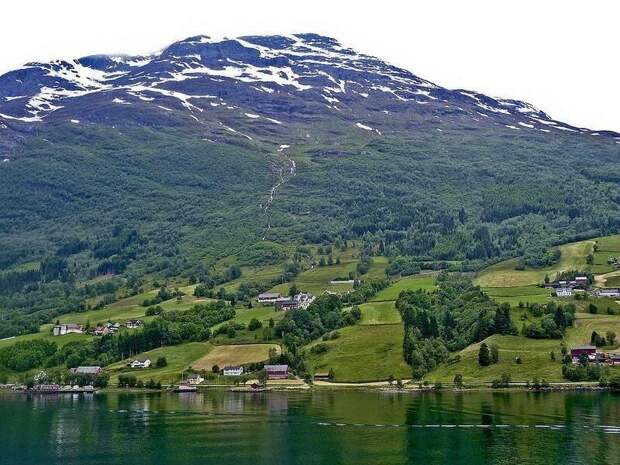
(330, 427)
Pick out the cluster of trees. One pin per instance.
(552, 323)
(599, 340)
(25, 355)
(451, 318)
(162, 295)
(488, 355)
(298, 327)
(364, 290)
(131, 381)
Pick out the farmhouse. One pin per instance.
(141, 363)
(577, 352)
(87, 370)
(563, 292)
(102, 331)
(61, 330)
(268, 297)
(133, 324)
(276, 371)
(582, 282)
(233, 370)
(194, 379)
(299, 301)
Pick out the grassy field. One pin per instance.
(409, 283)
(534, 353)
(234, 355)
(363, 353)
(608, 246)
(514, 295)
(379, 313)
(504, 274)
(46, 334)
(117, 313)
(586, 323)
(179, 358)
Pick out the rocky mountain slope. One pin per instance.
(252, 87)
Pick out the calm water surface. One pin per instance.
(321, 427)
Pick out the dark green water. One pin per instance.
(338, 427)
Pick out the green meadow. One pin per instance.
(363, 353)
(505, 274)
(410, 283)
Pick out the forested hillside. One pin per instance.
(120, 174)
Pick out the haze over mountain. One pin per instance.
(245, 148)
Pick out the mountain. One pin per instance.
(246, 148)
(295, 78)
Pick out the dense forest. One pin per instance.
(163, 204)
(455, 316)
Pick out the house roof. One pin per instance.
(142, 360)
(269, 295)
(233, 367)
(276, 367)
(584, 348)
(87, 370)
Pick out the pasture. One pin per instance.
(362, 353)
(379, 313)
(234, 355)
(179, 358)
(410, 283)
(505, 274)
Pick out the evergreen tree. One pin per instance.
(484, 357)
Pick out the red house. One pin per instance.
(276, 371)
(577, 352)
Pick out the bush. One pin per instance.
(254, 324)
(320, 348)
(161, 362)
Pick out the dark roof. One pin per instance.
(87, 370)
(276, 367)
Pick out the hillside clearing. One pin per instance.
(410, 283)
(235, 355)
(363, 353)
(505, 274)
(179, 358)
(379, 313)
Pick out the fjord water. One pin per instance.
(318, 427)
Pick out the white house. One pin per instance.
(133, 324)
(141, 363)
(195, 378)
(233, 371)
(563, 292)
(61, 330)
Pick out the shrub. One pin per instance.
(320, 348)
